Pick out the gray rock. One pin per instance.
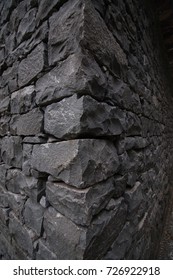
(33, 216)
(4, 215)
(3, 198)
(4, 104)
(9, 77)
(22, 100)
(27, 124)
(11, 151)
(45, 7)
(26, 26)
(105, 226)
(35, 139)
(22, 236)
(16, 203)
(70, 201)
(15, 181)
(3, 171)
(73, 117)
(31, 66)
(80, 163)
(4, 125)
(79, 17)
(26, 161)
(64, 238)
(44, 253)
(77, 74)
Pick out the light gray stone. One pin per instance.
(78, 73)
(73, 117)
(33, 216)
(88, 202)
(31, 66)
(22, 100)
(4, 104)
(80, 163)
(27, 124)
(11, 151)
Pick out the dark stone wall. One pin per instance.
(86, 130)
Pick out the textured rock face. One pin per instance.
(86, 129)
(79, 163)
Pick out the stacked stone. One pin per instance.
(85, 127)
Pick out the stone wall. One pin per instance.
(86, 128)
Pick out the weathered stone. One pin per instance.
(79, 163)
(26, 26)
(4, 104)
(11, 151)
(35, 188)
(33, 216)
(45, 7)
(22, 236)
(26, 161)
(71, 201)
(44, 253)
(31, 66)
(73, 117)
(9, 77)
(82, 16)
(106, 226)
(3, 198)
(27, 124)
(16, 203)
(3, 171)
(4, 125)
(64, 238)
(77, 74)
(22, 100)
(15, 181)
(4, 214)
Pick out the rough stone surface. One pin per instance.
(27, 124)
(86, 130)
(79, 163)
(86, 117)
(30, 67)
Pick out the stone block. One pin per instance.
(3, 171)
(11, 151)
(45, 7)
(22, 100)
(80, 205)
(44, 253)
(31, 66)
(27, 124)
(73, 117)
(80, 163)
(15, 181)
(4, 104)
(79, 17)
(104, 230)
(63, 237)
(26, 26)
(77, 74)
(33, 216)
(22, 236)
(4, 125)
(16, 203)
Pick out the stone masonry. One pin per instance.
(86, 130)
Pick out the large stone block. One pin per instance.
(80, 205)
(27, 124)
(22, 100)
(73, 117)
(77, 74)
(11, 151)
(80, 163)
(33, 216)
(79, 17)
(69, 241)
(31, 66)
